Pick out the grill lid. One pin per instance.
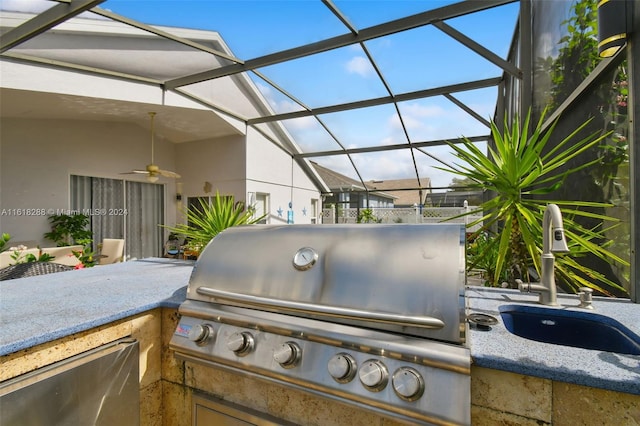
(403, 278)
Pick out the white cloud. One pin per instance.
(359, 65)
(286, 105)
(302, 123)
(422, 111)
(265, 90)
(31, 6)
(434, 122)
(279, 105)
(419, 120)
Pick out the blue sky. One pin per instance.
(412, 60)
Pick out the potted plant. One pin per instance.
(518, 168)
(67, 230)
(172, 247)
(208, 220)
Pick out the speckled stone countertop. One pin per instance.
(44, 308)
(498, 349)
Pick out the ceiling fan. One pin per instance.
(152, 170)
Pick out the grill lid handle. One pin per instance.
(332, 311)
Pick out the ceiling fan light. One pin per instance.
(152, 179)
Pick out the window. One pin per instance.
(261, 206)
(122, 209)
(314, 210)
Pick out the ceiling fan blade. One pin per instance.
(169, 174)
(135, 172)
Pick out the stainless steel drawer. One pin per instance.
(99, 387)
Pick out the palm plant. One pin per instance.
(208, 220)
(517, 168)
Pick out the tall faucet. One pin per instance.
(553, 241)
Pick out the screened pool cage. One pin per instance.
(374, 91)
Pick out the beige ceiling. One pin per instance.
(178, 125)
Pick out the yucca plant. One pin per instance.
(516, 168)
(208, 220)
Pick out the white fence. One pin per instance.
(404, 215)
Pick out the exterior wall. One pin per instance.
(271, 171)
(238, 166)
(207, 166)
(39, 177)
(38, 156)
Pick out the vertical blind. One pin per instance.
(119, 209)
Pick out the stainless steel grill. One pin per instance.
(371, 315)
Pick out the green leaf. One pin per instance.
(515, 168)
(208, 220)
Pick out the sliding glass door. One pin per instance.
(145, 205)
(122, 209)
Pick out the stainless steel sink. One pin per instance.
(570, 328)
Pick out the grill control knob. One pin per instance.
(373, 375)
(408, 383)
(287, 354)
(200, 333)
(342, 367)
(240, 343)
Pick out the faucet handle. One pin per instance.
(524, 288)
(585, 295)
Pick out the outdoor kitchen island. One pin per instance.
(50, 318)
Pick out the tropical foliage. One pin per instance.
(367, 216)
(19, 257)
(86, 256)
(4, 239)
(482, 254)
(67, 230)
(209, 219)
(519, 167)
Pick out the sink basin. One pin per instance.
(570, 328)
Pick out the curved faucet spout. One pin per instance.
(553, 241)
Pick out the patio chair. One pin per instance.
(112, 250)
(31, 269)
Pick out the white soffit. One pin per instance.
(176, 124)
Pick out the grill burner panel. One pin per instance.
(394, 375)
